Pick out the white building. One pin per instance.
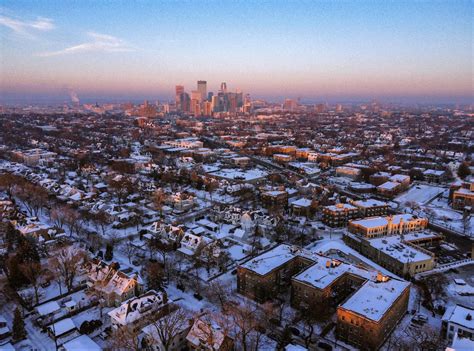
(458, 321)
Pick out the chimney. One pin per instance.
(381, 278)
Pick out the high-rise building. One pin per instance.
(289, 105)
(179, 91)
(209, 96)
(184, 102)
(196, 102)
(232, 102)
(215, 103)
(202, 88)
(224, 87)
(206, 108)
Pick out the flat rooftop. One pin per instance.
(322, 274)
(268, 261)
(373, 222)
(374, 299)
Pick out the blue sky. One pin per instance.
(316, 50)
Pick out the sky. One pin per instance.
(330, 50)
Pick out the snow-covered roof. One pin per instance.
(62, 327)
(369, 203)
(326, 270)
(302, 202)
(459, 314)
(434, 172)
(373, 222)
(374, 299)
(270, 260)
(341, 207)
(248, 175)
(48, 308)
(394, 247)
(136, 307)
(201, 333)
(389, 185)
(399, 178)
(81, 343)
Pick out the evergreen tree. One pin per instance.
(15, 277)
(18, 332)
(463, 170)
(11, 236)
(27, 250)
(109, 252)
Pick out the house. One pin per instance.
(207, 336)
(190, 243)
(137, 311)
(458, 320)
(110, 284)
(169, 233)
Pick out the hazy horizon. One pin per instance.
(316, 50)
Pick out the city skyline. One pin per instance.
(318, 51)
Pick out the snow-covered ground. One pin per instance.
(420, 193)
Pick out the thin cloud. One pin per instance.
(27, 27)
(99, 43)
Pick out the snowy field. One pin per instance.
(420, 193)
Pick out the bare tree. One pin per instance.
(57, 216)
(8, 182)
(158, 199)
(71, 219)
(129, 248)
(101, 221)
(167, 328)
(33, 271)
(219, 292)
(125, 338)
(34, 197)
(248, 320)
(211, 186)
(426, 338)
(66, 263)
